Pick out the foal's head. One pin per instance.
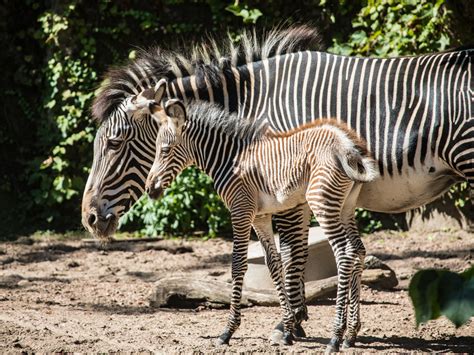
(171, 156)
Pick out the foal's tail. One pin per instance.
(354, 157)
(357, 166)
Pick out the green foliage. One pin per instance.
(249, 16)
(57, 54)
(460, 195)
(190, 204)
(441, 292)
(366, 222)
(392, 28)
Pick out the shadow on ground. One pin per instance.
(438, 254)
(454, 344)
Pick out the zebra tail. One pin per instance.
(358, 167)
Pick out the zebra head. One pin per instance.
(124, 148)
(171, 157)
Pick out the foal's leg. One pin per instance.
(263, 228)
(293, 228)
(241, 226)
(348, 217)
(325, 198)
(353, 318)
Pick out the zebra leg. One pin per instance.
(348, 218)
(353, 319)
(328, 213)
(241, 226)
(293, 229)
(263, 228)
(344, 260)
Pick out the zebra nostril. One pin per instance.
(92, 219)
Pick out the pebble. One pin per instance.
(23, 282)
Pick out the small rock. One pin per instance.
(372, 262)
(216, 273)
(23, 282)
(72, 264)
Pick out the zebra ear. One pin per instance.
(140, 101)
(160, 89)
(176, 111)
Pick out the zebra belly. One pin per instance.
(280, 201)
(413, 188)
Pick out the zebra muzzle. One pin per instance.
(154, 190)
(104, 224)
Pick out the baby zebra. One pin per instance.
(258, 173)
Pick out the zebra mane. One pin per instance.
(213, 116)
(206, 60)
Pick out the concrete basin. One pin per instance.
(320, 265)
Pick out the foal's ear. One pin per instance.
(160, 89)
(176, 111)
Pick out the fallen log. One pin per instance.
(188, 292)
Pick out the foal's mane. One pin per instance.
(212, 116)
(206, 60)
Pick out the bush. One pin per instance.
(392, 28)
(189, 205)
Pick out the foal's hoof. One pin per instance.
(279, 337)
(276, 337)
(287, 339)
(277, 334)
(299, 331)
(223, 339)
(333, 346)
(348, 343)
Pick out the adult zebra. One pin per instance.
(416, 114)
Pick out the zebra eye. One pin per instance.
(165, 150)
(114, 144)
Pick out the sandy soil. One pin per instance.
(67, 296)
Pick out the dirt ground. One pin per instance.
(67, 295)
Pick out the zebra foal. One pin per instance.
(258, 173)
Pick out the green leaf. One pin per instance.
(456, 298)
(441, 292)
(423, 293)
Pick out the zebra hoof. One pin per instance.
(276, 338)
(277, 334)
(287, 339)
(333, 346)
(280, 337)
(223, 338)
(299, 331)
(348, 343)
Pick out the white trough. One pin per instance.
(321, 263)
